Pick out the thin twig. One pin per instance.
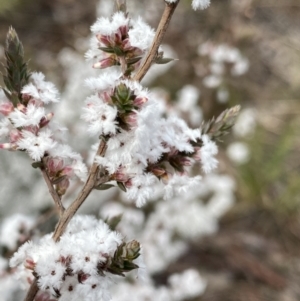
(70, 212)
(160, 32)
(56, 198)
(33, 290)
(84, 193)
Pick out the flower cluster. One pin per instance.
(27, 125)
(82, 263)
(119, 41)
(142, 146)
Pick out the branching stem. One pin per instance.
(56, 198)
(160, 32)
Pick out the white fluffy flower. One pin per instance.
(40, 89)
(32, 116)
(71, 266)
(200, 4)
(36, 145)
(100, 116)
(207, 152)
(105, 26)
(141, 34)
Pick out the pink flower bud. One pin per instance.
(185, 161)
(120, 176)
(46, 119)
(26, 97)
(127, 46)
(139, 101)
(62, 186)
(128, 183)
(68, 171)
(158, 171)
(107, 62)
(103, 39)
(43, 296)
(117, 38)
(14, 135)
(8, 146)
(6, 108)
(131, 119)
(21, 108)
(123, 30)
(106, 96)
(55, 165)
(29, 264)
(36, 102)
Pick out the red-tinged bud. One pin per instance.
(106, 96)
(120, 176)
(139, 101)
(68, 171)
(62, 186)
(158, 171)
(55, 165)
(103, 39)
(14, 135)
(32, 128)
(185, 161)
(29, 264)
(131, 119)
(128, 183)
(118, 38)
(36, 102)
(165, 178)
(26, 97)
(6, 108)
(107, 62)
(8, 146)
(46, 119)
(126, 44)
(21, 108)
(43, 296)
(123, 30)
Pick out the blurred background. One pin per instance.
(243, 52)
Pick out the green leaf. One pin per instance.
(163, 60)
(37, 164)
(122, 186)
(114, 221)
(107, 49)
(104, 186)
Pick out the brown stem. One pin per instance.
(160, 32)
(70, 211)
(56, 198)
(84, 193)
(33, 290)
